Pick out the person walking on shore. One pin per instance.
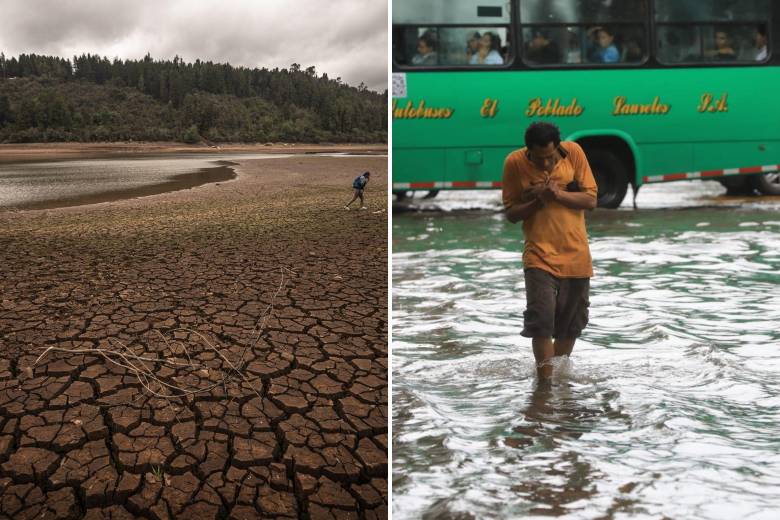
(359, 184)
(547, 185)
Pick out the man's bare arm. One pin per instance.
(570, 199)
(576, 199)
(521, 211)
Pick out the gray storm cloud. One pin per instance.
(343, 38)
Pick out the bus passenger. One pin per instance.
(633, 51)
(472, 46)
(426, 50)
(547, 185)
(759, 40)
(541, 49)
(602, 46)
(489, 52)
(724, 50)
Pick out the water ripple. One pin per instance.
(669, 408)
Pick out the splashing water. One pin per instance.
(669, 407)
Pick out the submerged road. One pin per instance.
(669, 405)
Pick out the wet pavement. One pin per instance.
(669, 405)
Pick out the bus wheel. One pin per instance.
(611, 177)
(400, 195)
(431, 194)
(768, 184)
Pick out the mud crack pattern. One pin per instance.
(82, 438)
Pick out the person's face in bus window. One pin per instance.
(473, 44)
(759, 40)
(539, 41)
(422, 48)
(485, 42)
(544, 157)
(721, 40)
(605, 39)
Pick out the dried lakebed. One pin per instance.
(292, 419)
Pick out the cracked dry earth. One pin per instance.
(300, 432)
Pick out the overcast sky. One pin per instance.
(346, 38)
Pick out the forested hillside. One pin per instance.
(91, 98)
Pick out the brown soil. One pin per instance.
(81, 438)
(36, 152)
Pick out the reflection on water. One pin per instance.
(669, 406)
(66, 183)
(70, 183)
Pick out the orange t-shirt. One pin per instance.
(555, 236)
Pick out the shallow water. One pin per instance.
(670, 406)
(68, 183)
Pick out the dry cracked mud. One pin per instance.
(299, 430)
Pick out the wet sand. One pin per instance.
(300, 431)
(37, 152)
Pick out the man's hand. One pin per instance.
(550, 191)
(534, 192)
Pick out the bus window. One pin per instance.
(710, 10)
(447, 33)
(581, 11)
(711, 31)
(679, 44)
(570, 32)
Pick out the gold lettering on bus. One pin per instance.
(489, 108)
(624, 108)
(553, 108)
(410, 111)
(710, 104)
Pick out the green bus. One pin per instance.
(654, 90)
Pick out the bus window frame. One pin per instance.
(588, 65)
(651, 60)
(704, 62)
(774, 19)
(510, 63)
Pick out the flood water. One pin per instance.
(670, 405)
(57, 184)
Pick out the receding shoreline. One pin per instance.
(182, 181)
(282, 283)
(40, 152)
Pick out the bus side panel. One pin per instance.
(714, 156)
(666, 158)
(418, 165)
(477, 164)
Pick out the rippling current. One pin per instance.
(670, 405)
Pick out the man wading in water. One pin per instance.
(548, 185)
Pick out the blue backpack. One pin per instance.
(358, 183)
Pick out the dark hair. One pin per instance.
(609, 30)
(540, 134)
(761, 29)
(724, 30)
(495, 41)
(367, 174)
(428, 39)
(475, 36)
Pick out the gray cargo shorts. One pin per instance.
(555, 307)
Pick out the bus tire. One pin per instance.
(767, 184)
(737, 186)
(611, 177)
(431, 194)
(400, 195)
